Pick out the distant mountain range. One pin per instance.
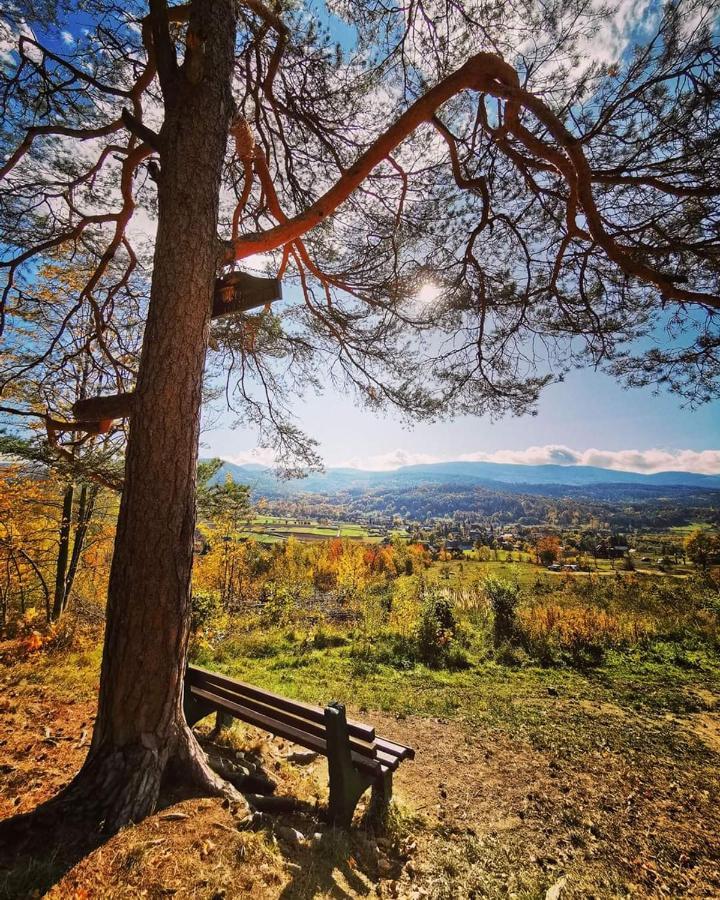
(497, 476)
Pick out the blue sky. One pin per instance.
(588, 411)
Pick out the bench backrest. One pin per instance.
(302, 723)
(249, 693)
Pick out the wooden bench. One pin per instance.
(357, 757)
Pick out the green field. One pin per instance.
(271, 529)
(459, 572)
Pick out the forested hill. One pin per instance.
(522, 494)
(502, 476)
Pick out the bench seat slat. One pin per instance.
(202, 677)
(394, 749)
(392, 762)
(275, 726)
(221, 696)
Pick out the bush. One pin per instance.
(436, 631)
(577, 635)
(385, 647)
(204, 607)
(322, 639)
(504, 597)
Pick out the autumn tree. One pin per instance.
(467, 203)
(38, 397)
(702, 547)
(45, 535)
(547, 549)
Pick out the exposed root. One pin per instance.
(191, 764)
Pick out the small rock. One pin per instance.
(385, 867)
(253, 822)
(553, 692)
(302, 757)
(290, 835)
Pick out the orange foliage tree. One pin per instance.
(547, 549)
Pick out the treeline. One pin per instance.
(616, 506)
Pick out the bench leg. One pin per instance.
(195, 709)
(222, 720)
(380, 798)
(346, 784)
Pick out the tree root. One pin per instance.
(279, 805)
(117, 787)
(191, 764)
(240, 777)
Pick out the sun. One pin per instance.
(425, 297)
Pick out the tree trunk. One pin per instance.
(63, 552)
(140, 728)
(86, 507)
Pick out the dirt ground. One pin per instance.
(479, 813)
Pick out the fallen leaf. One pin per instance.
(554, 892)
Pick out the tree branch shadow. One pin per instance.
(337, 863)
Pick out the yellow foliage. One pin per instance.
(569, 627)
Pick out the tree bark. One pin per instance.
(140, 728)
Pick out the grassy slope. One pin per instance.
(605, 777)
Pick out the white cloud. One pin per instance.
(607, 43)
(705, 462)
(262, 456)
(67, 37)
(394, 459)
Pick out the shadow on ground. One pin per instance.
(38, 848)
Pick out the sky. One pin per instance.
(588, 419)
(589, 411)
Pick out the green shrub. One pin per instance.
(511, 656)
(323, 639)
(436, 631)
(205, 605)
(504, 597)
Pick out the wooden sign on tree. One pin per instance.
(235, 293)
(239, 292)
